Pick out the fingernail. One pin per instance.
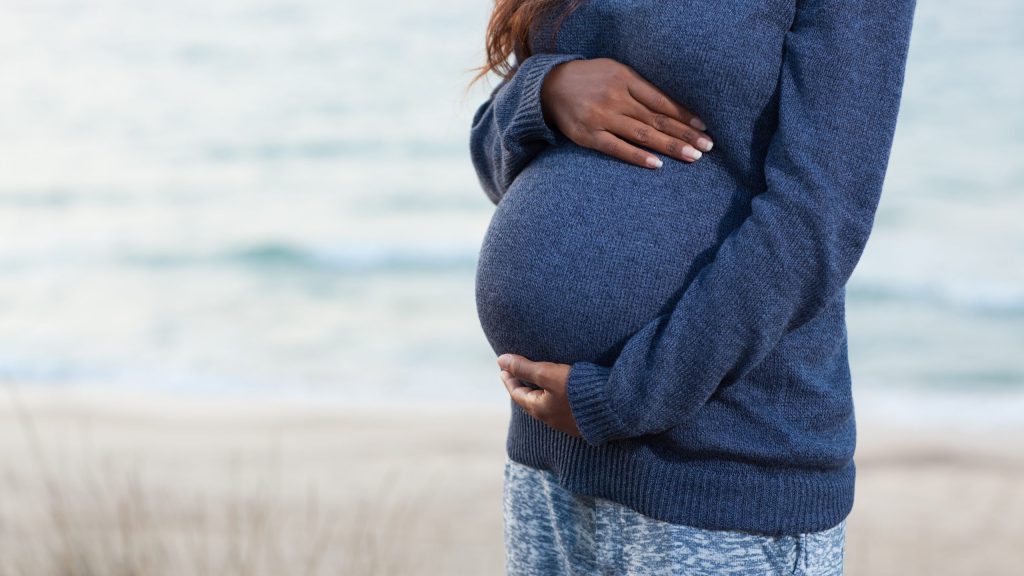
(705, 144)
(502, 360)
(692, 153)
(697, 123)
(654, 162)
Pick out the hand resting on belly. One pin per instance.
(601, 103)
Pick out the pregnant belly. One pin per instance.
(584, 250)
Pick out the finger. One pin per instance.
(670, 126)
(652, 97)
(528, 398)
(526, 369)
(612, 145)
(645, 135)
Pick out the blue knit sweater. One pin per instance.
(701, 305)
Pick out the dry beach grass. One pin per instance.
(96, 486)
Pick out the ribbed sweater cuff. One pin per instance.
(528, 122)
(586, 390)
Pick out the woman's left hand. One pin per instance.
(550, 404)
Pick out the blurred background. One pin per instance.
(249, 228)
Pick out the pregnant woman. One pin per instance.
(682, 191)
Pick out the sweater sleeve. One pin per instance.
(840, 87)
(509, 129)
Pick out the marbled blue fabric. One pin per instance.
(701, 305)
(550, 531)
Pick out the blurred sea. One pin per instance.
(275, 198)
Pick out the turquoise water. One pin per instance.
(275, 198)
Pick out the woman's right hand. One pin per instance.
(604, 104)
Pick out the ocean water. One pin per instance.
(274, 198)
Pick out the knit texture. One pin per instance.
(701, 305)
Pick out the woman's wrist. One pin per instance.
(547, 94)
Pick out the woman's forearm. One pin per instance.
(509, 129)
(839, 97)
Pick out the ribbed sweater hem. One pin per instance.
(714, 494)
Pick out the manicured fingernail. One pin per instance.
(696, 123)
(705, 144)
(654, 162)
(692, 153)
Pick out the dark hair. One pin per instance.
(508, 32)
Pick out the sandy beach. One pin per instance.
(150, 485)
